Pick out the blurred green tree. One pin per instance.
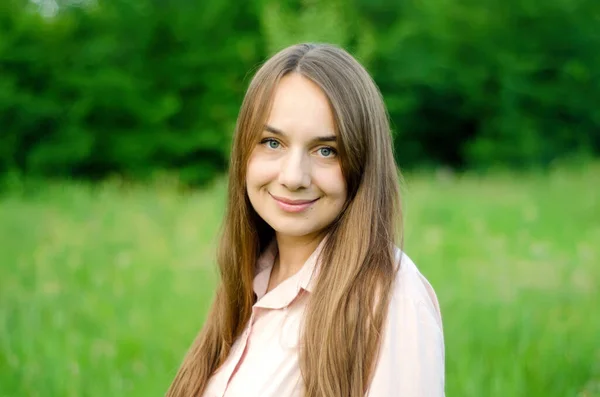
(121, 87)
(135, 88)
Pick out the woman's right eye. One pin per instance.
(271, 143)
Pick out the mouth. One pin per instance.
(289, 205)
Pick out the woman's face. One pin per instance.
(294, 177)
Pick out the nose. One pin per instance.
(295, 171)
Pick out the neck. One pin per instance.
(293, 253)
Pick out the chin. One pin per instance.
(294, 230)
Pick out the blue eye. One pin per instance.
(327, 151)
(271, 143)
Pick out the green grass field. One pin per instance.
(103, 288)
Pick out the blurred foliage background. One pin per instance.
(110, 110)
(90, 89)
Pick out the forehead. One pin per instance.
(301, 108)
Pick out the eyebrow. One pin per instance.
(276, 131)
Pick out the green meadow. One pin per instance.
(103, 287)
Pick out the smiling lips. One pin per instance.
(288, 205)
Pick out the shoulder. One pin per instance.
(412, 288)
(411, 355)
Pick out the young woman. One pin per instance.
(315, 298)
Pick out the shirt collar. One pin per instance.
(288, 290)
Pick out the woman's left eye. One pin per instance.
(327, 151)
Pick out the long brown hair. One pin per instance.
(348, 306)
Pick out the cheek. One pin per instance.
(333, 184)
(259, 172)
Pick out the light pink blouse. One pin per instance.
(263, 362)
